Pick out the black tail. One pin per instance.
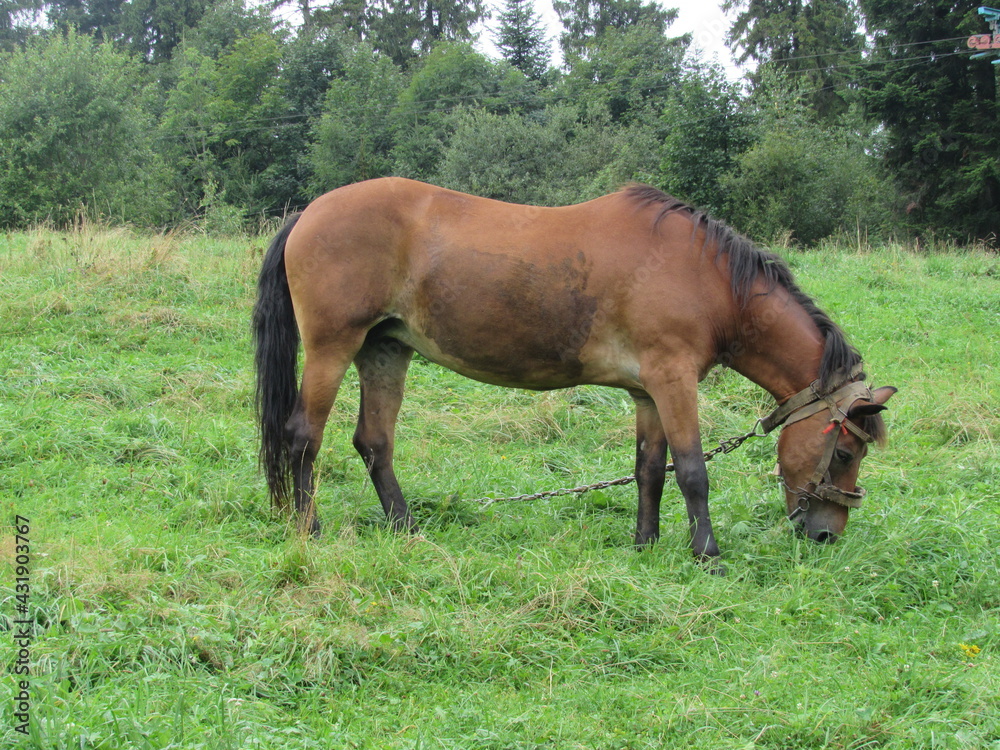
(276, 337)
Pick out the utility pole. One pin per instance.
(987, 41)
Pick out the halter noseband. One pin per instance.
(808, 402)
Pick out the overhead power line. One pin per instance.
(863, 51)
(447, 103)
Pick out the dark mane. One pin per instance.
(747, 263)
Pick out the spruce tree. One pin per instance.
(817, 41)
(586, 21)
(149, 30)
(521, 38)
(940, 109)
(16, 18)
(407, 29)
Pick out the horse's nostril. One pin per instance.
(824, 537)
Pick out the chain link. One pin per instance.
(727, 445)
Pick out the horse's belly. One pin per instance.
(504, 319)
(497, 360)
(519, 350)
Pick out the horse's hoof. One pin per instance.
(645, 542)
(312, 530)
(712, 565)
(404, 526)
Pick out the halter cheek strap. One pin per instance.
(813, 400)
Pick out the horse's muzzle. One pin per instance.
(822, 536)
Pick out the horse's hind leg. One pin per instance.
(382, 364)
(650, 469)
(321, 377)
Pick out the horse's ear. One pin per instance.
(870, 408)
(883, 394)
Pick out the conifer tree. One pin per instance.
(586, 21)
(16, 17)
(406, 29)
(940, 109)
(817, 41)
(521, 38)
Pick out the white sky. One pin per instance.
(709, 26)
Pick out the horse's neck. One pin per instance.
(778, 346)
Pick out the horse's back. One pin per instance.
(512, 294)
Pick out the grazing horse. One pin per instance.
(634, 290)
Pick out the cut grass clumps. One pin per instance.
(174, 608)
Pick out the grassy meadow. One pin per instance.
(174, 609)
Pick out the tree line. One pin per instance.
(857, 118)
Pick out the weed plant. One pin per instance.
(174, 609)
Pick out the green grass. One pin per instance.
(175, 610)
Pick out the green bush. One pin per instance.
(705, 127)
(507, 157)
(550, 158)
(353, 138)
(77, 136)
(452, 77)
(806, 184)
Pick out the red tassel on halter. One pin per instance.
(834, 425)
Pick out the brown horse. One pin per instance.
(633, 290)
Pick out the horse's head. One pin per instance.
(819, 455)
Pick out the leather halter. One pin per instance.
(838, 401)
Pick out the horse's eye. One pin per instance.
(844, 457)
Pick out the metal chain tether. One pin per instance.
(727, 445)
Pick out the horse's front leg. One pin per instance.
(692, 478)
(677, 403)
